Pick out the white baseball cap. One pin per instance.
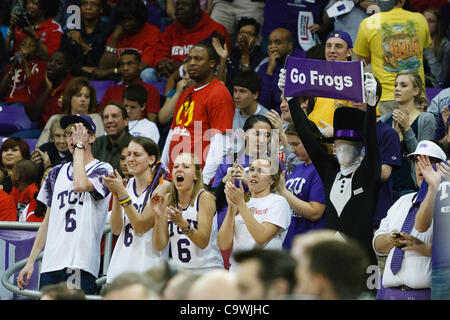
(429, 148)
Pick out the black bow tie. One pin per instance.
(345, 176)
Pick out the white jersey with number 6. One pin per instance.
(76, 220)
(186, 254)
(133, 252)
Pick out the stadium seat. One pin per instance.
(160, 86)
(13, 118)
(432, 92)
(101, 87)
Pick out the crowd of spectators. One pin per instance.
(200, 151)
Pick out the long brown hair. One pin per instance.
(420, 100)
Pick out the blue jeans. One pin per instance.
(86, 280)
(440, 284)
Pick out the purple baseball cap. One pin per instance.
(76, 118)
(342, 35)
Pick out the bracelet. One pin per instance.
(189, 230)
(123, 198)
(110, 49)
(125, 203)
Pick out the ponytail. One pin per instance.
(155, 180)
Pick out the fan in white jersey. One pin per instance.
(187, 217)
(134, 251)
(263, 221)
(77, 205)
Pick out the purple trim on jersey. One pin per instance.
(49, 184)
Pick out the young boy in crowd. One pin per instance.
(135, 100)
(24, 176)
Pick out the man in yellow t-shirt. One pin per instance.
(392, 40)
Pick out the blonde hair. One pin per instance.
(198, 185)
(275, 176)
(420, 100)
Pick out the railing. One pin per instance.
(20, 264)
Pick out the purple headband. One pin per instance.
(348, 133)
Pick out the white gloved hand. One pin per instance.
(282, 82)
(370, 89)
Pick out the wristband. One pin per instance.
(126, 202)
(189, 230)
(123, 198)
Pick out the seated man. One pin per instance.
(132, 32)
(47, 101)
(245, 54)
(115, 121)
(280, 46)
(192, 25)
(129, 67)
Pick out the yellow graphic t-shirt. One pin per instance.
(394, 41)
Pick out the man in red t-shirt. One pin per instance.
(47, 101)
(202, 114)
(132, 32)
(130, 71)
(178, 38)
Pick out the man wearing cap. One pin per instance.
(77, 204)
(407, 274)
(350, 184)
(392, 40)
(338, 47)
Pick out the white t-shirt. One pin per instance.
(273, 209)
(186, 255)
(416, 269)
(133, 252)
(76, 220)
(144, 128)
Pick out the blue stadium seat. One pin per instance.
(101, 87)
(13, 118)
(160, 85)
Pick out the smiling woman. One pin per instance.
(79, 97)
(12, 150)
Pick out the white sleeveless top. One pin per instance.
(186, 255)
(133, 252)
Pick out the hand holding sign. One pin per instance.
(370, 89)
(282, 82)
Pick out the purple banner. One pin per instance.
(319, 78)
(15, 245)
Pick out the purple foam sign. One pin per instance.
(319, 78)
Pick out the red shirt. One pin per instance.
(50, 33)
(21, 88)
(116, 92)
(53, 105)
(30, 213)
(177, 41)
(23, 198)
(8, 210)
(145, 42)
(210, 107)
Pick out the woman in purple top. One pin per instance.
(303, 190)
